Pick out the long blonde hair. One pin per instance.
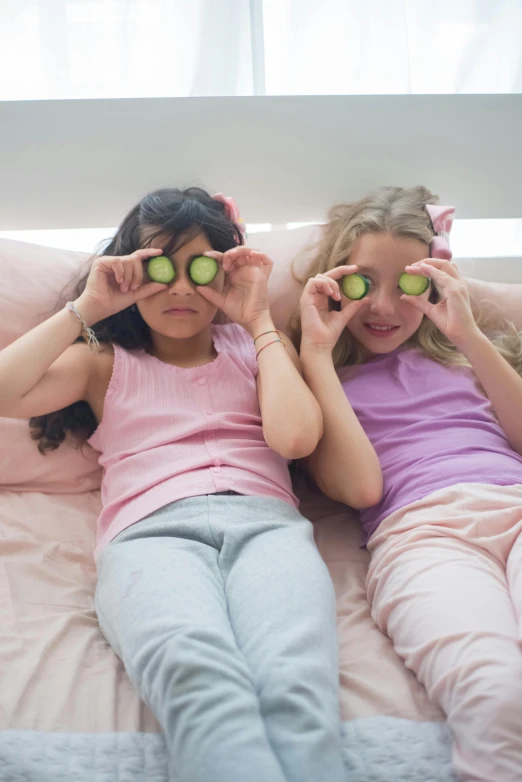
(401, 212)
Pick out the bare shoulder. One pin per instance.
(93, 362)
(95, 367)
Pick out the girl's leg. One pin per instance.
(161, 605)
(514, 577)
(282, 610)
(445, 605)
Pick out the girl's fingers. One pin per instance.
(415, 269)
(143, 254)
(133, 267)
(211, 295)
(237, 251)
(243, 256)
(128, 271)
(240, 262)
(442, 279)
(263, 259)
(224, 259)
(137, 275)
(324, 286)
(117, 267)
(435, 263)
(232, 260)
(333, 287)
(340, 271)
(347, 313)
(320, 283)
(229, 256)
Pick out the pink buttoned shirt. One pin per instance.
(170, 433)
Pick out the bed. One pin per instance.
(67, 709)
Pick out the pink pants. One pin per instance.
(445, 583)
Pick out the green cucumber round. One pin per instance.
(203, 270)
(161, 269)
(413, 284)
(355, 286)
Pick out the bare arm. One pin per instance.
(454, 317)
(42, 371)
(344, 465)
(292, 420)
(501, 383)
(498, 299)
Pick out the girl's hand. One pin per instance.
(115, 283)
(452, 314)
(322, 327)
(244, 299)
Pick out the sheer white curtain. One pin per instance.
(54, 49)
(393, 46)
(146, 48)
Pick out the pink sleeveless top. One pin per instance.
(169, 432)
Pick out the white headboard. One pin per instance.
(84, 163)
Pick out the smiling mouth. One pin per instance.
(380, 330)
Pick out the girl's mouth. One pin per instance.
(180, 312)
(380, 330)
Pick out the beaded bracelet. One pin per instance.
(268, 345)
(87, 333)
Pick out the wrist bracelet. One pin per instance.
(87, 333)
(271, 331)
(270, 343)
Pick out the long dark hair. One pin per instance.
(180, 214)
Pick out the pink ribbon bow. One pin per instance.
(231, 210)
(441, 219)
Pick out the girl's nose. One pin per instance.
(381, 303)
(182, 285)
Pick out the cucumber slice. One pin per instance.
(413, 284)
(355, 286)
(203, 270)
(161, 269)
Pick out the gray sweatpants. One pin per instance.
(223, 613)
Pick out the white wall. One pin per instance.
(83, 163)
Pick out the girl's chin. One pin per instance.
(376, 345)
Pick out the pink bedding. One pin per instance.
(59, 674)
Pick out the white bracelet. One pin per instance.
(87, 333)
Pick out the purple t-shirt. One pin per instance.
(431, 428)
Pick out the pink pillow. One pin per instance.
(34, 282)
(286, 248)
(68, 470)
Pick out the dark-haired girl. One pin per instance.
(210, 587)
